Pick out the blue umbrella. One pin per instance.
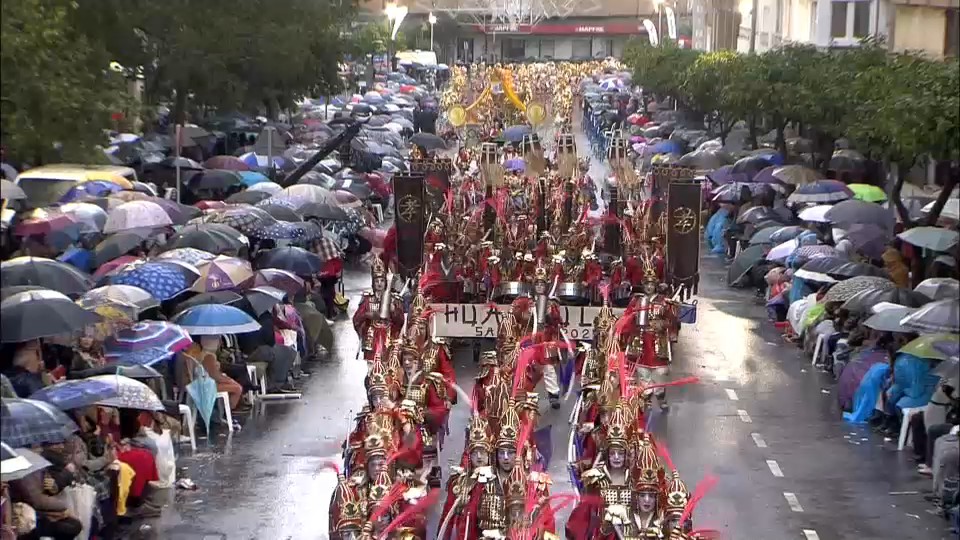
(95, 188)
(252, 178)
(163, 280)
(292, 259)
(215, 319)
(515, 164)
(516, 133)
(203, 391)
(143, 357)
(666, 147)
(725, 175)
(75, 394)
(820, 192)
(279, 230)
(25, 422)
(147, 335)
(260, 161)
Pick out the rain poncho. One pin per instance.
(716, 226)
(799, 289)
(913, 383)
(865, 398)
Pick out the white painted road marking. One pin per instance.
(811, 534)
(758, 440)
(744, 416)
(792, 501)
(732, 394)
(775, 468)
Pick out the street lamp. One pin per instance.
(395, 15)
(432, 19)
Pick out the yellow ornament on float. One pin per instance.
(457, 116)
(536, 113)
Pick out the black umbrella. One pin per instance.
(855, 269)
(214, 238)
(786, 233)
(263, 298)
(758, 214)
(134, 371)
(216, 297)
(744, 262)
(118, 245)
(750, 165)
(54, 275)
(360, 190)
(429, 141)
(178, 213)
(292, 259)
(248, 197)
(182, 162)
(762, 236)
(823, 265)
(215, 179)
(863, 301)
(280, 212)
(324, 211)
(35, 314)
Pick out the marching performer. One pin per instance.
(379, 316)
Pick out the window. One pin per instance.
(547, 48)
(581, 49)
(838, 19)
(513, 49)
(861, 19)
(603, 49)
(952, 38)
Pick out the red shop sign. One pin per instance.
(622, 29)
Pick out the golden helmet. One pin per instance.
(647, 470)
(380, 488)
(509, 426)
(617, 425)
(378, 269)
(377, 378)
(516, 485)
(352, 507)
(479, 435)
(677, 495)
(375, 444)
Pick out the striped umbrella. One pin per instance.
(821, 191)
(26, 422)
(147, 335)
(281, 279)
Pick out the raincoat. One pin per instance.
(716, 226)
(865, 398)
(913, 383)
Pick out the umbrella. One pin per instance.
(7, 292)
(117, 245)
(180, 162)
(129, 196)
(229, 163)
(89, 217)
(951, 210)
(76, 393)
(191, 256)
(821, 191)
(786, 233)
(516, 133)
(280, 279)
(805, 253)
(817, 214)
(259, 161)
(864, 301)
(763, 236)
(869, 240)
(126, 363)
(751, 165)
(784, 250)
(315, 325)
(797, 175)
(20, 463)
(725, 175)
(856, 269)
(932, 346)
(214, 238)
(307, 192)
(854, 372)
(868, 193)
(10, 191)
(248, 197)
(216, 297)
(41, 313)
(124, 294)
(758, 214)
(215, 179)
(823, 265)
(215, 319)
(704, 160)
(95, 188)
(939, 288)
(243, 219)
(223, 273)
(47, 273)
(845, 290)
(744, 262)
(280, 230)
(935, 317)
(26, 422)
(253, 178)
(429, 141)
(147, 335)
(932, 238)
(203, 391)
(42, 222)
(263, 298)
(324, 211)
(280, 212)
(293, 259)
(162, 279)
(178, 213)
(130, 394)
(888, 320)
(860, 212)
(119, 366)
(847, 160)
(136, 215)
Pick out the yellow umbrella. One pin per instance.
(106, 176)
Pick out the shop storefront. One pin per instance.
(548, 40)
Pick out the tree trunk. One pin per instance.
(180, 107)
(948, 184)
(894, 168)
(781, 127)
(752, 126)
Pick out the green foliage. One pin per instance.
(55, 85)
(659, 69)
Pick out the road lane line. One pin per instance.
(744, 416)
(811, 534)
(758, 440)
(775, 468)
(732, 394)
(792, 501)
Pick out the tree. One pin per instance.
(709, 84)
(56, 86)
(660, 70)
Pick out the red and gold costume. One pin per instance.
(376, 324)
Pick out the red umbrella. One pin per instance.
(114, 265)
(230, 163)
(43, 222)
(210, 205)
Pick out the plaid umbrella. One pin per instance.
(935, 317)
(126, 294)
(845, 290)
(162, 279)
(327, 249)
(191, 256)
(223, 273)
(25, 422)
(281, 279)
(821, 191)
(76, 393)
(147, 335)
(47, 273)
(241, 218)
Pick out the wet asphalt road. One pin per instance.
(757, 401)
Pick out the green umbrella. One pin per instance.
(866, 192)
(926, 346)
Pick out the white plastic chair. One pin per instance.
(908, 413)
(187, 417)
(224, 399)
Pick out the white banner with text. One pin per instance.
(483, 320)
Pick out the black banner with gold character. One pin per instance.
(409, 209)
(684, 199)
